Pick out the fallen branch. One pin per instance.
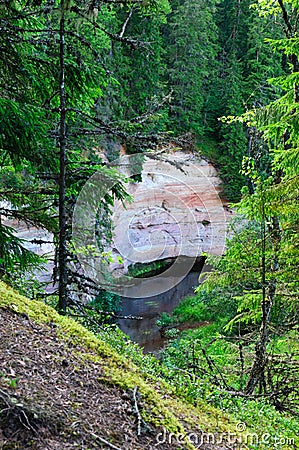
(99, 438)
(136, 411)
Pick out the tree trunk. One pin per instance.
(62, 246)
(257, 373)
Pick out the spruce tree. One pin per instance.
(48, 104)
(190, 40)
(260, 266)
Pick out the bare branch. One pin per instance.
(134, 43)
(136, 411)
(126, 23)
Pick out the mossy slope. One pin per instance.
(160, 409)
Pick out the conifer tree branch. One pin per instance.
(126, 23)
(134, 43)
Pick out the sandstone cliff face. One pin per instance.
(176, 211)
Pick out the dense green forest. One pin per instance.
(220, 77)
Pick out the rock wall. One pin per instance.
(176, 211)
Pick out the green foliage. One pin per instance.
(189, 371)
(190, 53)
(164, 320)
(23, 130)
(14, 257)
(136, 88)
(11, 382)
(240, 272)
(106, 301)
(207, 306)
(30, 107)
(145, 270)
(245, 65)
(259, 268)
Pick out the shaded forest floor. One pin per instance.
(51, 398)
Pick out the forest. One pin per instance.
(220, 79)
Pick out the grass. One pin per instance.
(185, 352)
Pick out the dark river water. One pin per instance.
(146, 332)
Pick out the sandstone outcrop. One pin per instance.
(176, 210)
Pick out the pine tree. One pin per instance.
(137, 70)
(245, 65)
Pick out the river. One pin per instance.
(145, 331)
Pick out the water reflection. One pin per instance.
(146, 332)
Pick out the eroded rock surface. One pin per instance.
(176, 210)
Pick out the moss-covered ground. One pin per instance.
(47, 358)
(61, 386)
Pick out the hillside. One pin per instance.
(63, 388)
